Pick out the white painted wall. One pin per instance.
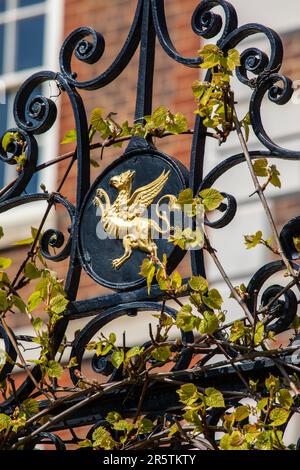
(282, 123)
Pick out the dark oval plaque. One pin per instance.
(101, 241)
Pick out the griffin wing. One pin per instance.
(144, 196)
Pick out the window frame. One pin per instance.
(54, 21)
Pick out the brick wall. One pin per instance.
(172, 81)
(172, 88)
(287, 207)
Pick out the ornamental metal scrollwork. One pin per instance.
(125, 217)
(166, 178)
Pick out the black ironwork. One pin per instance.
(36, 115)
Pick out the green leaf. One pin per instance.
(162, 353)
(213, 299)
(1, 233)
(145, 426)
(237, 331)
(18, 302)
(262, 404)
(264, 440)
(58, 304)
(126, 129)
(123, 425)
(4, 279)
(274, 174)
(26, 241)
(272, 382)
(135, 351)
(209, 324)
(186, 321)
(259, 333)
(260, 167)
(85, 443)
(7, 139)
(148, 271)
(37, 323)
(213, 398)
(285, 398)
(251, 241)
(150, 277)
(34, 301)
(179, 124)
(30, 407)
(187, 239)
(54, 369)
(241, 413)
(192, 417)
(188, 394)
(159, 115)
(3, 300)
(228, 421)
(199, 88)
(241, 290)
(70, 136)
(233, 59)
(5, 263)
(176, 280)
(112, 338)
(102, 438)
(211, 55)
(72, 362)
(117, 358)
(31, 271)
(246, 123)
(96, 119)
(146, 267)
(113, 416)
(211, 199)
(198, 284)
(185, 197)
(234, 441)
(5, 422)
(296, 241)
(279, 416)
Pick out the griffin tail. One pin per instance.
(162, 215)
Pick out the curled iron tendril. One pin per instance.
(46, 438)
(13, 150)
(282, 311)
(102, 364)
(35, 115)
(6, 366)
(51, 238)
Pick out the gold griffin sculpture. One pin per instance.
(126, 218)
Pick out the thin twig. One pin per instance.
(25, 365)
(234, 293)
(260, 192)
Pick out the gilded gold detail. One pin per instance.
(126, 218)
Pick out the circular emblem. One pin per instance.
(122, 219)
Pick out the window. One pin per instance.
(239, 263)
(22, 40)
(30, 37)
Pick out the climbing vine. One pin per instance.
(264, 408)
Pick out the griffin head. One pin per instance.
(122, 181)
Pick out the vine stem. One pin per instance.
(25, 365)
(65, 413)
(97, 145)
(224, 275)
(260, 192)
